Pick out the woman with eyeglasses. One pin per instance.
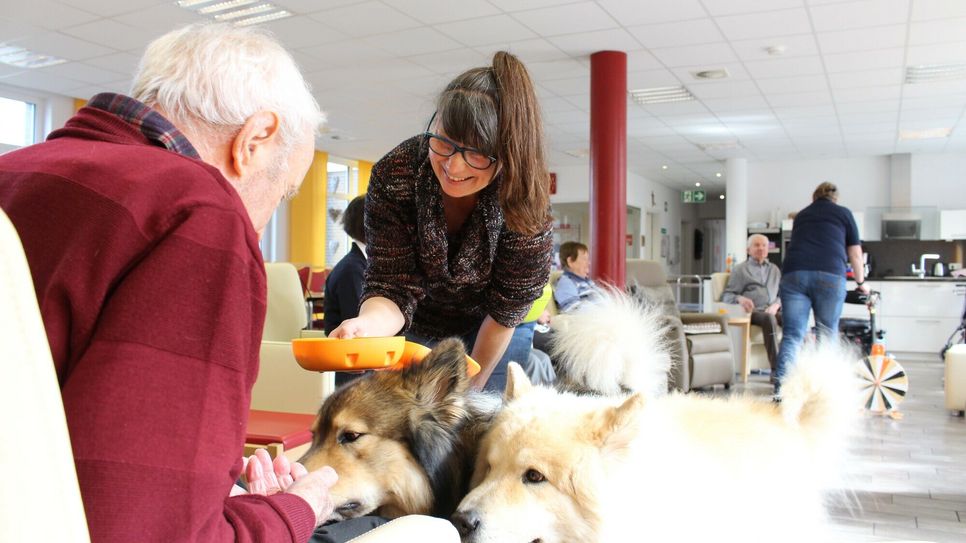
(458, 224)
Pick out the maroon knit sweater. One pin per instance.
(152, 290)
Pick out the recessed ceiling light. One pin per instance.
(924, 134)
(721, 197)
(661, 95)
(719, 73)
(775, 50)
(717, 174)
(663, 166)
(23, 58)
(578, 153)
(926, 73)
(697, 184)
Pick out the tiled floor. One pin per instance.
(906, 478)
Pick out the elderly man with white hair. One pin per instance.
(753, 284)
(140, 220)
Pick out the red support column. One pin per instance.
(608, 166)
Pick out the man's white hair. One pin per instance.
(219, 75)
(752, 238)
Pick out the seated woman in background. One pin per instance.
(575, 285)
(343, 287)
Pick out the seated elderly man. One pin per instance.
(753, 284)
(140, 221)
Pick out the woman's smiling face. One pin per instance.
(457, 178)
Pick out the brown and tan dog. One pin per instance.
(403, 442)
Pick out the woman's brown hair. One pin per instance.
(495, 109)
(826, 190)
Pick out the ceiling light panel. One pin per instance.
(237, 12)
(926, 73)
(661, 95)
(13, 55)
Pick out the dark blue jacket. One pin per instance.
(820, 235)
(343, 289)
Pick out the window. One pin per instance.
(18, 124)
(341, 185)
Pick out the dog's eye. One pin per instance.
(348, 437)
(533, 476)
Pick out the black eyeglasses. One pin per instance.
(443, 146)
(446, 147)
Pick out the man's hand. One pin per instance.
(745, 303)
(773, 308)
(862, 288)
(314, 488)
(266, 476)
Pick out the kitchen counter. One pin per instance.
(914, 278)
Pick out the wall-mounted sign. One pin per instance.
(693, 197)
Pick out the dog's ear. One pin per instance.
(441, 373)
(618, 426)
(517, 382)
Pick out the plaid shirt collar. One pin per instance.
(155, 127)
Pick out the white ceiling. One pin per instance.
(375, 66)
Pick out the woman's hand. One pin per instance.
(351, 328)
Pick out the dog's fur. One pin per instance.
(402, 442)
(557, 467)
(615, 345)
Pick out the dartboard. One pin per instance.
(884, 382)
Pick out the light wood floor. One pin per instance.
(906, 478)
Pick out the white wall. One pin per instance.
(573, 185)
(788, 185)
(939, 180)
(863, 182)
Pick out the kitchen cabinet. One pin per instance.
(952, 224)
(918, 316)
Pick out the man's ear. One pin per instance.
(250, 149)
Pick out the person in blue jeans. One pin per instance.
(824, 237)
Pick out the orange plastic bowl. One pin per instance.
(414, 353)
(329, 354)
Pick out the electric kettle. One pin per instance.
(938, 270)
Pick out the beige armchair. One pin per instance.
(282, 385)
(39, 479)
(757, 355)
(699, 360)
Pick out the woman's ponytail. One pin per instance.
(525, 187)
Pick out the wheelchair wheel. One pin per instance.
(884, 383)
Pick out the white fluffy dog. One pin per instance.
(557, 467)
(614, 346)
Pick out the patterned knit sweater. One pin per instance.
(446, 284)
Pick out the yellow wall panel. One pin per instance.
(307, 215)
(365, 170)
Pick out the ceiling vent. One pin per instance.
(236, 12)
(661, 95)
(718, 73)
(927, 73)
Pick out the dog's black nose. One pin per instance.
(466, 522)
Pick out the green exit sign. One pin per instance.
(693, 197)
